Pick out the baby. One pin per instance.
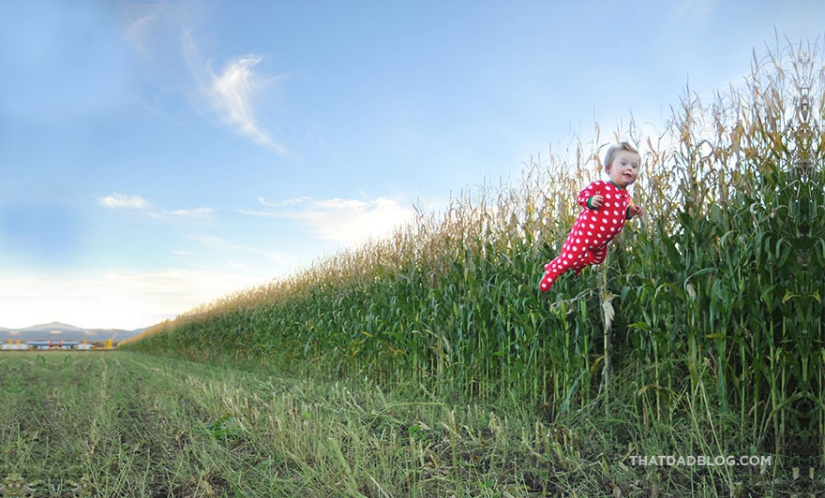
(606, 207)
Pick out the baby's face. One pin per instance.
(625, 168)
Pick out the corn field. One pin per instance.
(707, 313)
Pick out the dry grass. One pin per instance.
(139, 425)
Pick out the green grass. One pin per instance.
(710, 306)
(127, 424)
(702, 333)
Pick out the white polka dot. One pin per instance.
(592, 226)
(588, 233)
(607, 195)
(606, 204)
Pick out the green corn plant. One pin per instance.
(708, 312)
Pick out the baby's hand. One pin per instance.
(636, 211)
(596, 201)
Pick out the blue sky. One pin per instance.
(158, 155)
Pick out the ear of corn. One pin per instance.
(711, 303)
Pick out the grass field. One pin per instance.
(429, 364)
(701, 334)
(128, 424)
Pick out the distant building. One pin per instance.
(39, 345)
(42, 345)
(14, 346)
(84, 345)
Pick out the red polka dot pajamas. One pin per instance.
(594, 229)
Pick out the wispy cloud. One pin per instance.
(121, 201)
(340, 220)
(118, 200)
(286, 202)
(220, 243)
(234, 92)
(201, 212)
(163, 35)
(698, 10)
(137, 31)
(240, 266)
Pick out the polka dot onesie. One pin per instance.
(594, 229)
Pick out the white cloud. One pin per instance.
(234, 93)
(201, 212)
(285, 202)
(162, 35)
(118, 200)
(341, 220)
(114, 299)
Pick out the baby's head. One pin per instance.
(622, 163)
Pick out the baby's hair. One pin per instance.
(615, 149)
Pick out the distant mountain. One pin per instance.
(57, 331)
(52, 326)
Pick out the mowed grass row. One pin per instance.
(710, 307)
(126, 424)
